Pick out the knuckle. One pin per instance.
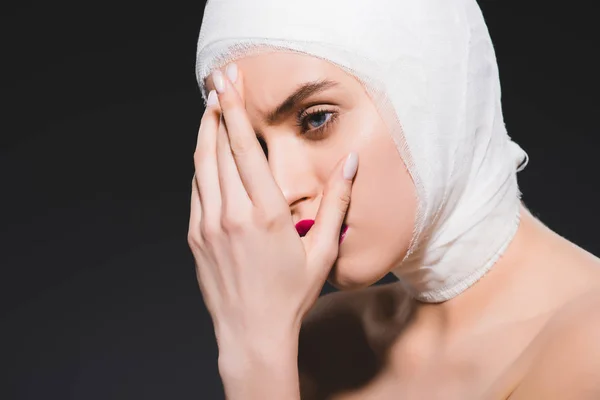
(232, 224)
(200, 156)
(193, 239)
(235, 217)
(209, 230)
(343, 203)
(345, 198)
(240, 146)
(275, 219)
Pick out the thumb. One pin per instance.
(325, 233)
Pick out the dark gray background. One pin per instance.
(98, 297)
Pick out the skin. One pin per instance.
(528, 329)
(301, 162)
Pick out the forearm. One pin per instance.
(265, 372)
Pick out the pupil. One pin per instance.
(319, 118)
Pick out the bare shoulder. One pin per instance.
(340, 347)
(567, 361)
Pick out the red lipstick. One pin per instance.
(303, 226)
(343, 232)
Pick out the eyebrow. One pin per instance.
(302, 92)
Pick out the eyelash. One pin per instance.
(303, 116)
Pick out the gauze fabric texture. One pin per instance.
(430, 68)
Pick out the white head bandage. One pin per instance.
(430, 68)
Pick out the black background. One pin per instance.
(98, 296)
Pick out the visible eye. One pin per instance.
(315, 120)
(313, 123)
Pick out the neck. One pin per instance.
(520, 286)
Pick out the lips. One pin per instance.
(343, 232)
(303, 226)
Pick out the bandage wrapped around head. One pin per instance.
(430, 68)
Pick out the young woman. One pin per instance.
(344, 140)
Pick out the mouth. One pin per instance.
(303, 226)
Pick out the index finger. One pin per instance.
(249, 157)
(237, 79)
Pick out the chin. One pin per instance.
(344, 276)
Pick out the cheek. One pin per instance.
(381, 216)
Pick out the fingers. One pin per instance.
(205, 161)
(195, 208)
(205, 276)
(234, 198)
(249, 157)
(323, 237)
(237, 79)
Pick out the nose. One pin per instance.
(293, 173)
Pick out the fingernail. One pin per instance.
(350, 166)
(212, 99)
(218, 81)
(232, 72)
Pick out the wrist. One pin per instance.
(262, 368)
(238, 358)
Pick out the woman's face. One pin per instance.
(330, 118)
